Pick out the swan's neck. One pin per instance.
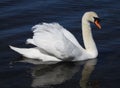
(89, 43)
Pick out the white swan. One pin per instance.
(55, 43)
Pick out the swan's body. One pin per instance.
(55, 43)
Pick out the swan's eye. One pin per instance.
(97, 19)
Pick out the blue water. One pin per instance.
(18, 16)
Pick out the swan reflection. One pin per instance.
(86, 72)
(57, 73)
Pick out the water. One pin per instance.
(18, 16)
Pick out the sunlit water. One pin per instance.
(18, 16)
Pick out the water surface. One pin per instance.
(18, 16)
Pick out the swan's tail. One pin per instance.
(34, 53)
(29, 53)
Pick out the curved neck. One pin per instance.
(89, 43)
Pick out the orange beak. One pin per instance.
(97, 24)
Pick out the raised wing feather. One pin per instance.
(71, 37)
(55, 40)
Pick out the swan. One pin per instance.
(54, 43)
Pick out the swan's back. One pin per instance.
(54, 40)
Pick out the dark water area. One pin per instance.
(18, 16)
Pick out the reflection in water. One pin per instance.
(51, 74)
(86, 72)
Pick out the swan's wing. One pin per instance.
(71, 37)
(49, 38)
(55, 40)
(30, 41)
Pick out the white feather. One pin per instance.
(54, 43)
(34, 53)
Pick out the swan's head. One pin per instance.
(92, 17)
